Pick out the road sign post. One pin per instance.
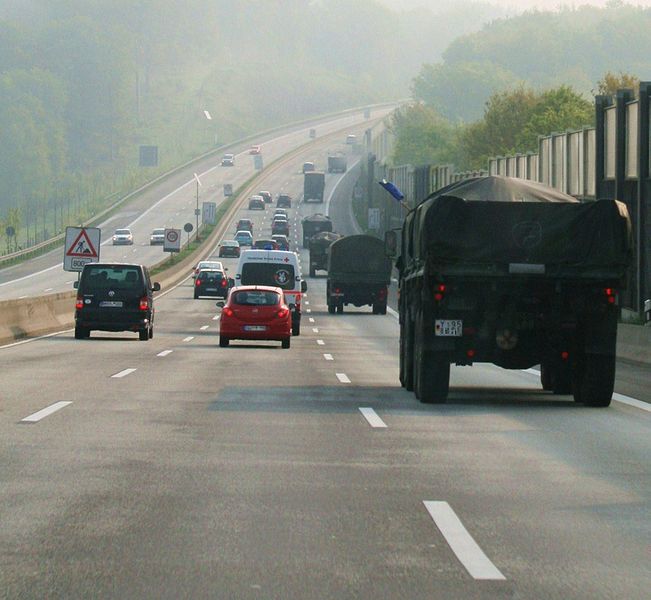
(81, 247)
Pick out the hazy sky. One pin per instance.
(512, 5)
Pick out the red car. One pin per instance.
(255, 312)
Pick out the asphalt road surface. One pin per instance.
(177, 469)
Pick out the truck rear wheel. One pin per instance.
(407, 356)
(431, 371)
(594, 380)
(312, 271)
(546, 380)
(340, 308)
(331, 309)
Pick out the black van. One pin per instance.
(115, 297)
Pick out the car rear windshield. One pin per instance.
(126, 278)
(122, 232)
(210, 276)
(281, 276)
(158, 232)
(256, 298)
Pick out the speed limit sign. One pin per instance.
(172, 241)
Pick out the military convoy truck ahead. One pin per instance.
(507, 272)
(359, 273)
(313, 186)
(314, 224)
(337, 163)
(319, 245)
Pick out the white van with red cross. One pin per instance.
(277, 268)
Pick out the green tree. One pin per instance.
(422, 137)
(611, 82)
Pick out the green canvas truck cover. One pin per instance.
(506, 220)
(359, 258)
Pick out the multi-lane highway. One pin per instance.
(172, 204)
(178, 469)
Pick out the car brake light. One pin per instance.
(144, 303)
(565, 355)
(283, 312)
(224, 283)
(227, 311)
(197, 281)
(80, 303)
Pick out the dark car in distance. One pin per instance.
(229, 248)
(284, 201)
(211, 282)
(115, 297)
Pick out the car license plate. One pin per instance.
(211, 289)
(448, 327)
(255, 328)
(110, 304)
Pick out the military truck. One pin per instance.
(314, 224)
(359, 273)
(313, 186)
(337, 163)
(508, 272)
(319, 245)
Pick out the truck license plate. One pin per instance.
(448, 327)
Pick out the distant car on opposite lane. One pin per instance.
(228, 160)
(122, 237)
(157, 237)
(255, 149)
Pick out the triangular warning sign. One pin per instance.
(82, 246)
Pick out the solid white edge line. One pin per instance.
(617, 397)
(328, 357)
(372, 417)
(392, 312)
(165, 353)
(461, 542)
(632, 402)
(342, 377)
(123, 373)
(41, 414)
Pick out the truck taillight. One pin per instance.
(439, 292)
(144, 303)
(382, 293)
(80, 303)
(611, 295)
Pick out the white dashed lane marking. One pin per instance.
(328, 356)
(343, 378)
(463, 545)
(215, 318)
(372, 417)
(320, 342)
(188, 339)
(123, 373)
(165, 352)
(41, 414)
(311, 319)
(204, 327)
(315, 329)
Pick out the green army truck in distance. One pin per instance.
(313, 186)
(337, 163)
(314, 224)
(319, 245)
(513, 273)
(359, 273)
